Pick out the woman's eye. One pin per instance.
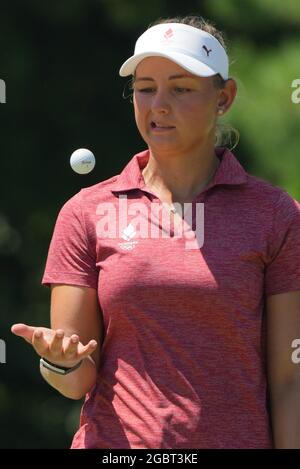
(182, 90)
(146, 90)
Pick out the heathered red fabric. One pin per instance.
(183, 359)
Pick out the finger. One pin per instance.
(86, 350)
(24, 331)
(39, 343)
(70, 350)
(56, 344)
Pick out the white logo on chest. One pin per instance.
(128, 234)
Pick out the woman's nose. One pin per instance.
(160, 102)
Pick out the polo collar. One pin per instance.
(229, 172)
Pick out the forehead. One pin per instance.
(160, 65)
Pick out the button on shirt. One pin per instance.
(183, 360)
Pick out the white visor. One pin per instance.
(193, 49)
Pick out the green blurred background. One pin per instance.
(60, 61)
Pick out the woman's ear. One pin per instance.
(227, 96)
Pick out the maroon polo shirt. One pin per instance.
(183, 358)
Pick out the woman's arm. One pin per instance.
(283, 327)
(75, 320)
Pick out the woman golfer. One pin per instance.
(175, 285)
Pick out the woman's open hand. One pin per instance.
(53, 345)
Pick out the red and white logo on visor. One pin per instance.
(168, 37)
(169, 33)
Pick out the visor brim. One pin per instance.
(189, 63)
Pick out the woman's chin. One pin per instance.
(163, 144)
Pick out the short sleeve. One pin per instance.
(71, 257)
(282, 273)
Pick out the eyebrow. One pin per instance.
(172, 77)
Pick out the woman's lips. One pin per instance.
(160, 127)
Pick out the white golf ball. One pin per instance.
(82, 161)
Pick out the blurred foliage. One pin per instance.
(60, 62)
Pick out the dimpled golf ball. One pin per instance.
(82, 161)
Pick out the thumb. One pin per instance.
(24, 331)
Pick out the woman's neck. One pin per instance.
(179, 178)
